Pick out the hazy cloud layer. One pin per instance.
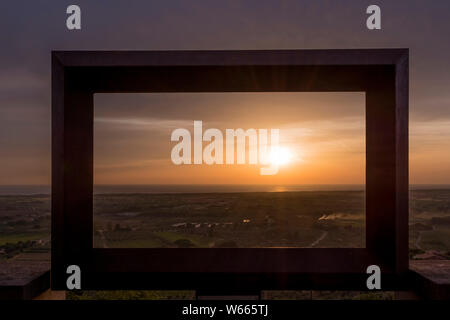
(29, 30)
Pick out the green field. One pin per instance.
(288, 219)
(255, 219)
(16, 237)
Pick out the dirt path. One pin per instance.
(102, 236)
(416, 243)
(419, 238)
(324, 234)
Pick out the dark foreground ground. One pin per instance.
(284, 219)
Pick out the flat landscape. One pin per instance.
(333, 219)
(245, 220)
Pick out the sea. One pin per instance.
(186, 188)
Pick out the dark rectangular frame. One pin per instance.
(381, 73)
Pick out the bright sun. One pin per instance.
(280, 156)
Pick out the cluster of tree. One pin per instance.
(440, 220)
(14, 223)
(225, 244)
(117, 227)
(11, 249)
(184, 243)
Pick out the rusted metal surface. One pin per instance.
(431, 278)
(23, 280)
(381, 73)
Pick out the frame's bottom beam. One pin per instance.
(234, 282)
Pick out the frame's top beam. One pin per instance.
(231, 58)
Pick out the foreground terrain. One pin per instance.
(332, 219)
(268, 219)
(253, 219)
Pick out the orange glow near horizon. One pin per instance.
(322, 137)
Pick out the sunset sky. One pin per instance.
(324, 131)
